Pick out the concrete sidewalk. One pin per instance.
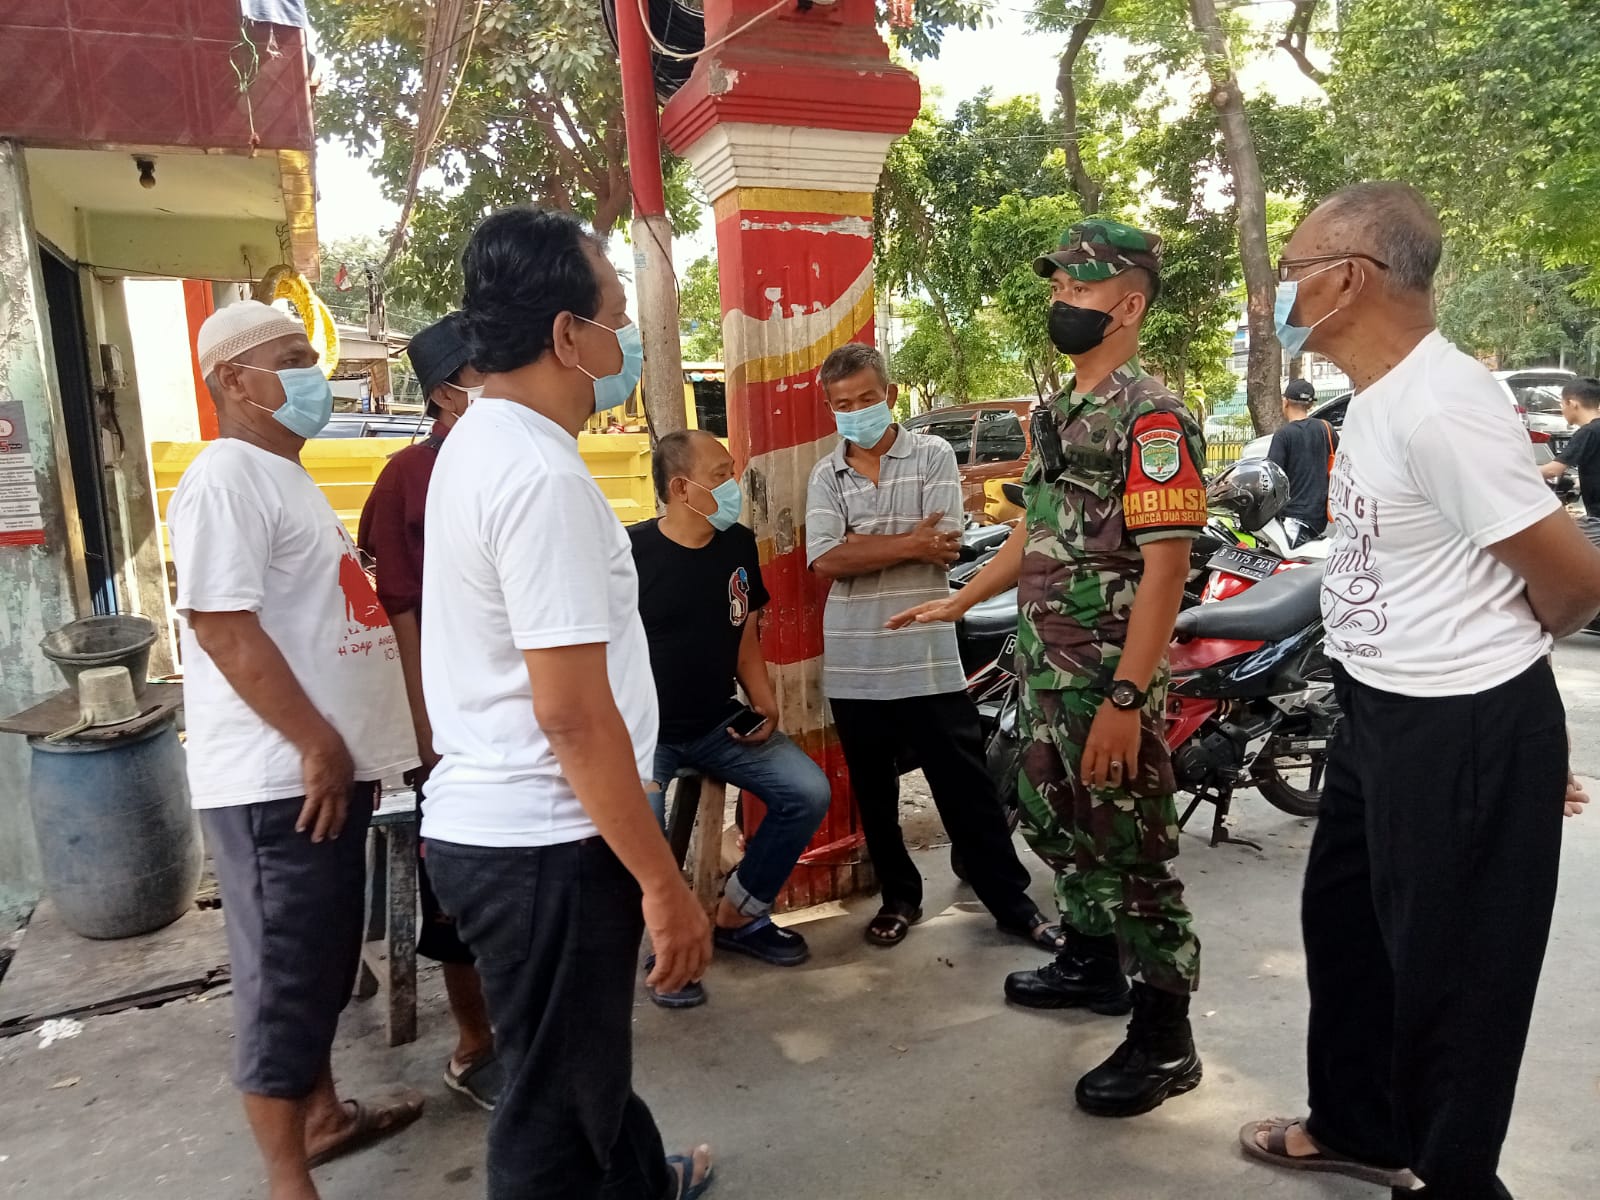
(865, 1075)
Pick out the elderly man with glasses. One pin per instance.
(1433, 870)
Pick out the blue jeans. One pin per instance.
(794, 789)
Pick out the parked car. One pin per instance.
(386, 425)
(991, 441)
(1332, 411)
(1535, 392)
(1545, 446)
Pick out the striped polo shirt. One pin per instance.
(861, 659)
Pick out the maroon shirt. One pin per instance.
(391, 523)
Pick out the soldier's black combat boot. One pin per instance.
(1155, 1062)
(1087, 974)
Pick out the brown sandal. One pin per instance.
(1276, 1152)
(369, 1125)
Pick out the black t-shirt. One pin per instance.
(1583, 456)
(695, 604)
(1301, 448)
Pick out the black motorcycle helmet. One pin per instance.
(1253, 491)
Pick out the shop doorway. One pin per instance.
(64, 302)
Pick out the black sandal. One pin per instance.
(890, 926)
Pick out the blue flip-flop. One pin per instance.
(690, 995)
(766, 941)
(687, 1188)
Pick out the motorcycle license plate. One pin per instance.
(1248, 564)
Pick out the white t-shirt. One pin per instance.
(1433, 467)
(252, 533)
(524, 553)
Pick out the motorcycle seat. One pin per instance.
(982, 538)
(995, 617)
(1273, 609)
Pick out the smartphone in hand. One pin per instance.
(745, 721)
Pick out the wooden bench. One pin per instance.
(389, 956)
(696, 813)
(391, 939)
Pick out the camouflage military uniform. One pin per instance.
(1132, 475)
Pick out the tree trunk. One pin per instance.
(1088, 188)
(1052, 377)
(1250, 207)
(1296, 35)
(656, 286)
(609, 205)
(958, 366)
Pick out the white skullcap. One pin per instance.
(229, 332)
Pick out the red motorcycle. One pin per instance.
(1251, 702)
(1251, 699)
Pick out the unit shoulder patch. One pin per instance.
(1165, 489)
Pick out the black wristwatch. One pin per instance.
(1125, 695)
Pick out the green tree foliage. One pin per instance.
(921, 363)
(927, 365)
(935, 180)
(1006, 239)
(700, 311)
(967, 204)
(537, 119)
(1189, 334)
(1520, 312)
(931, 20)
(1492, 107)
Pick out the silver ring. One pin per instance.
(1115, 766)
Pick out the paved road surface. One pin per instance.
(866, 1075)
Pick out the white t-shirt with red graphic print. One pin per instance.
(251, 532)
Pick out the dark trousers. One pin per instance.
(943, 732)
(1426, 910)
(292, 911)
(556, 932)
(437, 937)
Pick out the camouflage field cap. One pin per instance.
(1098, 249)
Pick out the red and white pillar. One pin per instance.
(787, 126)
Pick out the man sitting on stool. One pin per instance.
(699, 590)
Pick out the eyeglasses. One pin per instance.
(1285, 265)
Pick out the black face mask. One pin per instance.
(1077, 330)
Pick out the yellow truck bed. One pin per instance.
(346, 468)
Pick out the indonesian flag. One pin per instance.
(341, 281)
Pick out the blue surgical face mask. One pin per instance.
(730, 501)
(1293, 337)
(307, 399)
(866, 426)
(612, 390)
